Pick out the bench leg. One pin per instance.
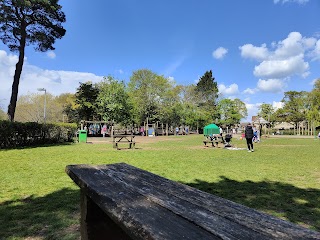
(95, 224)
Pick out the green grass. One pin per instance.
(39, 201)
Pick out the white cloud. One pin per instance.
(282, 68)
(270, 85)
(293, 45)
(219, 53)
(277, 105)
(315, 54)
(55, 82)
(282, 60)
(293, 1)
(51, 54)
(225, 90)
(250, 91)
(253, 52)
(252, 110)
(313, 82)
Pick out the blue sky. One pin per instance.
(256, 50)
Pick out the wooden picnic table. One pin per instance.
(213, 140)
(116, 139)
(119, 201)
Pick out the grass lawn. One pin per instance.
(39, 201)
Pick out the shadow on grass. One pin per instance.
(38, 146)
(54, 216)
(297, 205)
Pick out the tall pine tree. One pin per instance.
(29, 22)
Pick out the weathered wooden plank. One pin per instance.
(244, 216)
(139, 217)
(198, 215)
(138, 201)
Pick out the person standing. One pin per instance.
(249, 135)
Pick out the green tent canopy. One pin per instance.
(211, 129)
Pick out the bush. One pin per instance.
(16, 134)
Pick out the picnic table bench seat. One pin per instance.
(119, 201)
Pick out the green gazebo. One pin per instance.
(211, 129)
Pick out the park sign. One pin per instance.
(211, 129)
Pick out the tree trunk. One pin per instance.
(16, 80)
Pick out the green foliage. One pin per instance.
(314, 101)
(207, 90)
(147, 91)
(266, 111)
(113, 101)
(69, 107)
(34, 22)
(294, 109)
(86, 98)
(171, 110)
(231, 111)
(15, 134)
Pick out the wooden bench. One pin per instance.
(116, 139)
(119, 201)
(212, 142)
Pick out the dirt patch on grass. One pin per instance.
(138, 139)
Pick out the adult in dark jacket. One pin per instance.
(249, 135)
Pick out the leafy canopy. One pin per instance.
(37, 22)
(112, 101)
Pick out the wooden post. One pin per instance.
(147, 127)
(111, 134)
(95, 224)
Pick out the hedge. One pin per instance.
(17, 134)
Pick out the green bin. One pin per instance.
(82, 135)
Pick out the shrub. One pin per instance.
(16, 134)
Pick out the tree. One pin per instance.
(207, 92)
(266, 111)
(86, 98)
(30, 108)
(112, 101)
(146, 91)
(207, 89)
(294, 109)
(313, 114)
(231, 111)
(69, 105)
(171, 111)
(29, 22)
